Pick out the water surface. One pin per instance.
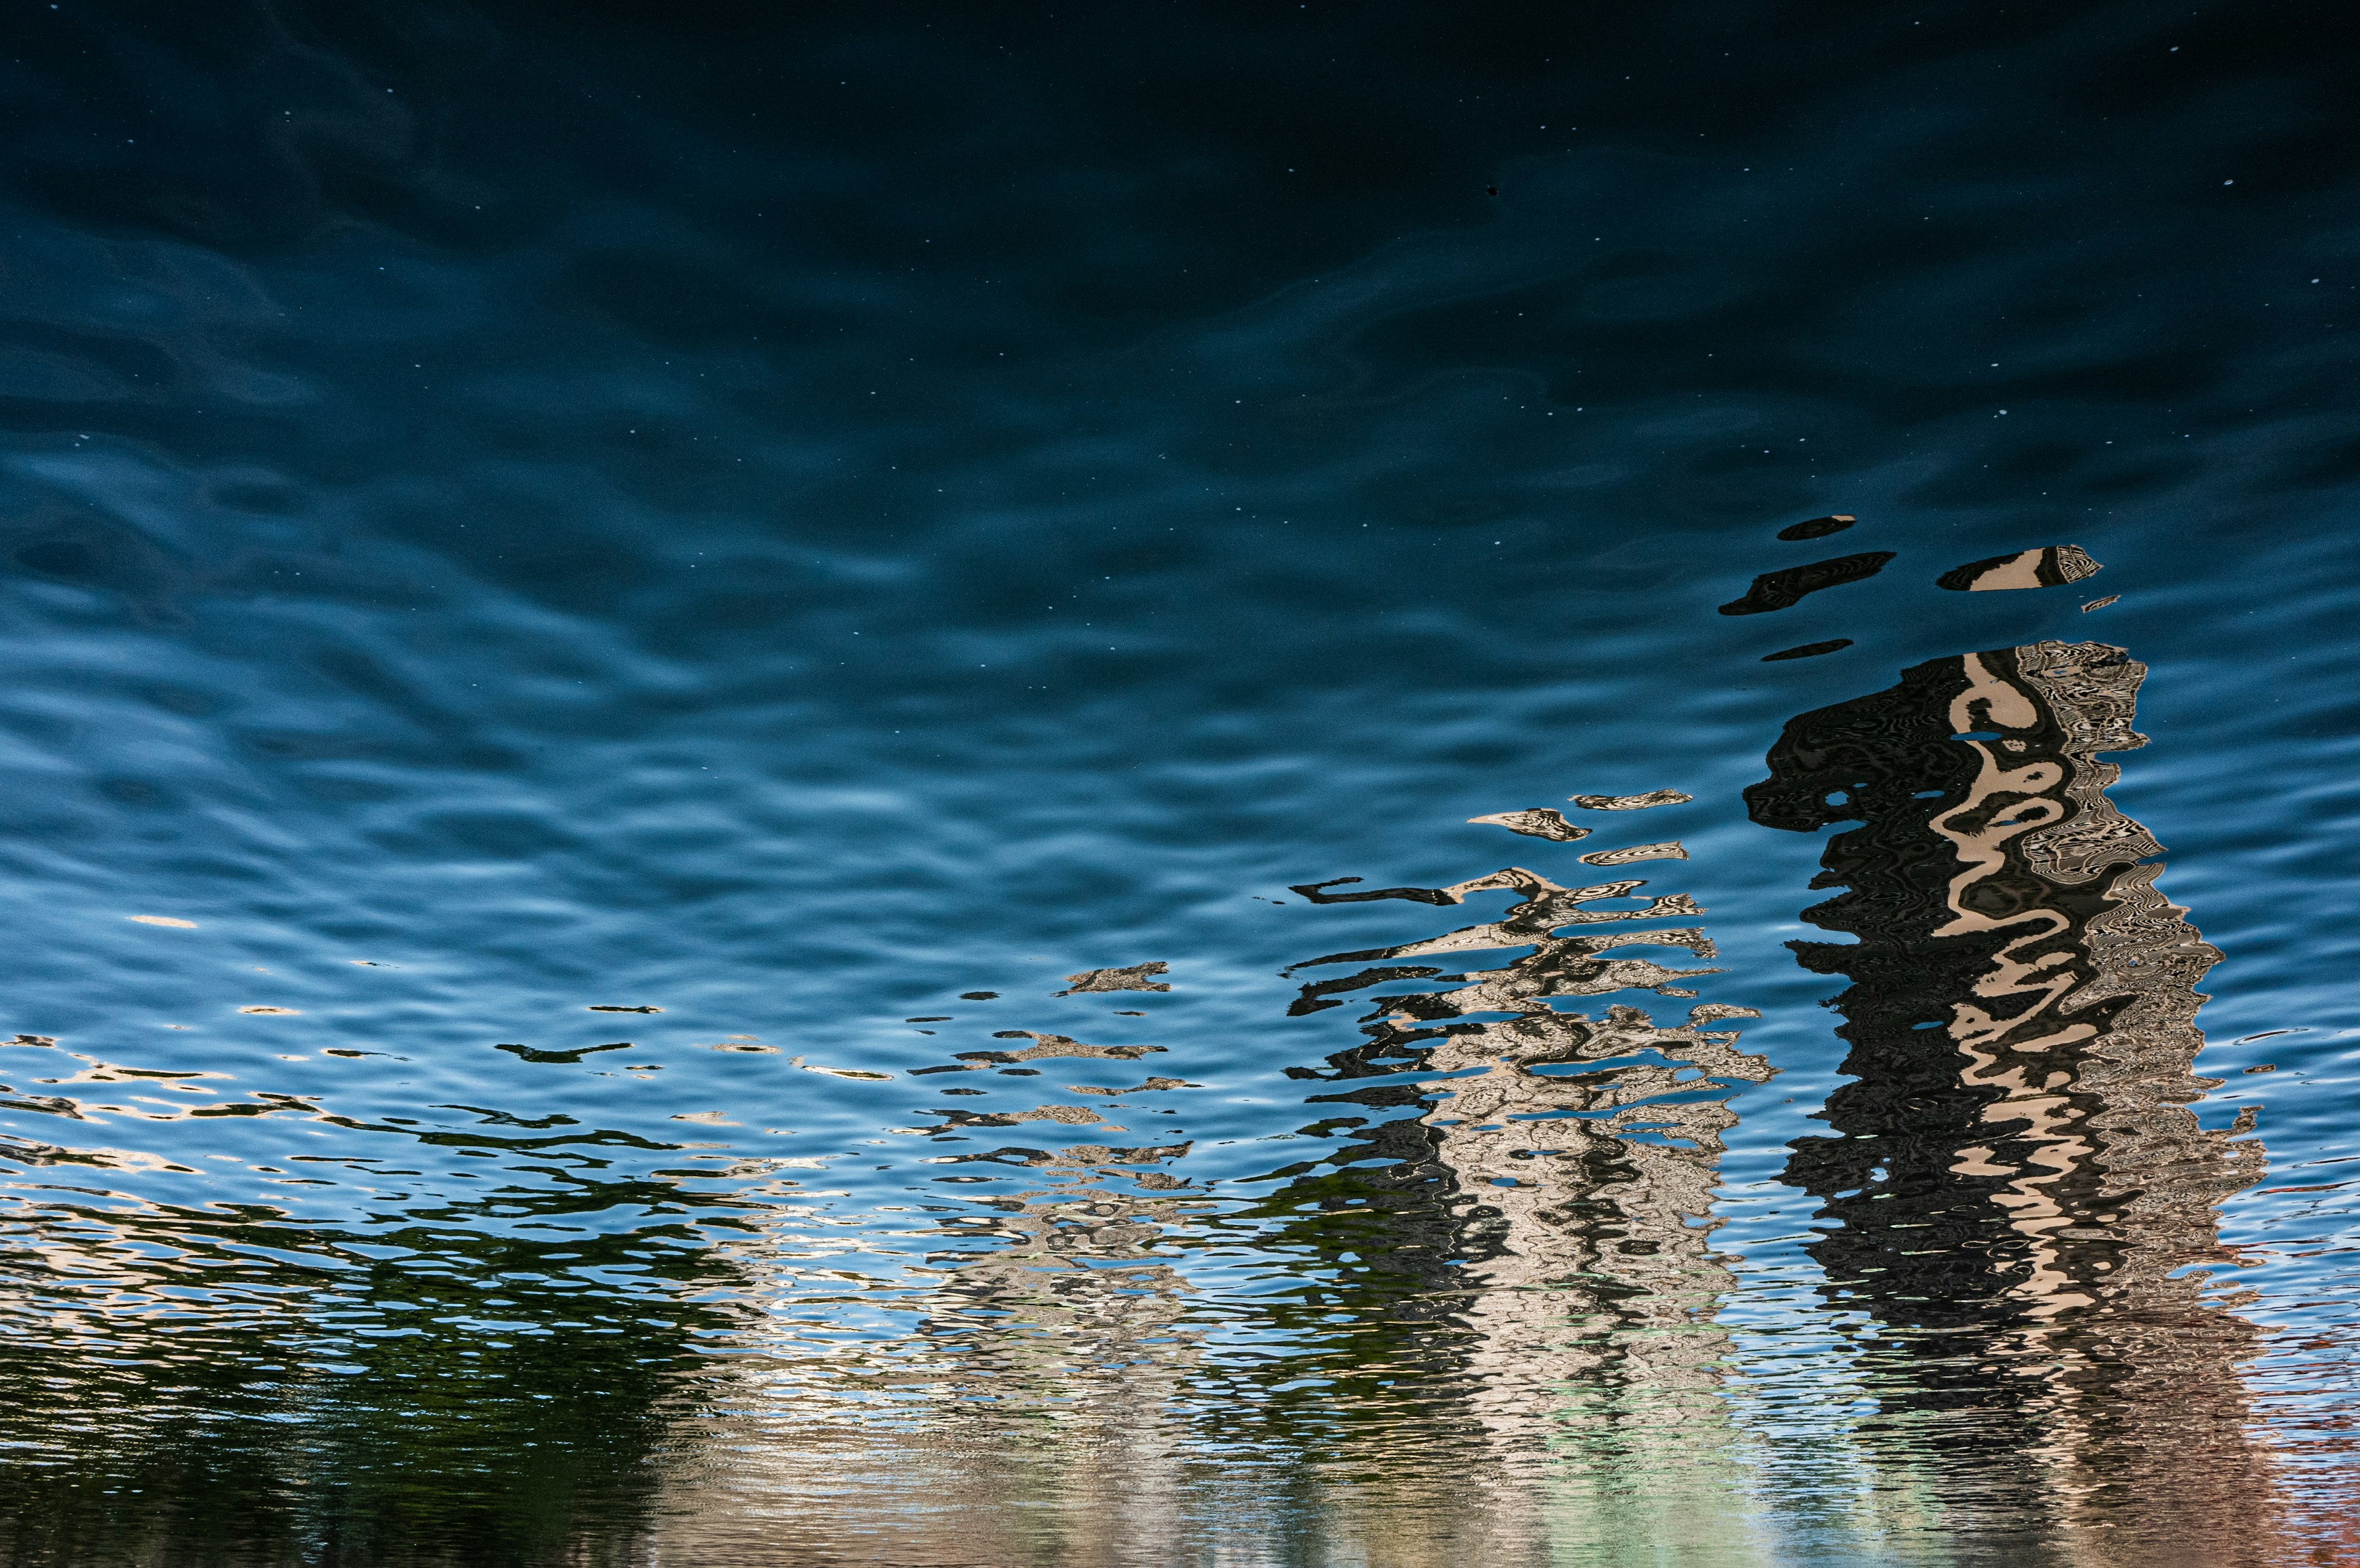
(1229, 786)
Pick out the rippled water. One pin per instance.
(760, 767)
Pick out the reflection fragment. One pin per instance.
(1817, 528)
(1137, 977)
(1808, 650)
(1053, 1045)
(1632, 803)
(1536, 821)
(1785, 588)
(2049, 566)
(560, 1057)
(1668, 850)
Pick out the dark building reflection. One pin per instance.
(2021, 1186)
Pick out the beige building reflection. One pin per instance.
(1030, 1401)
(1565, 1162)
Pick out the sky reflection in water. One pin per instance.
(761, 770)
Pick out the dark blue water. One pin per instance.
(686, 689)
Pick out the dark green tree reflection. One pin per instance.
(222, 1385)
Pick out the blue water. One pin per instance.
(578, 583)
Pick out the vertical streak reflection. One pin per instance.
(1533, 1192)
(2021, 1185)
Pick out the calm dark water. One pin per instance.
(689, 688)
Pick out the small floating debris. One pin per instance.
(2100, 604)
(1670, 849)
(603, 1009)
(2046, 567)
(1809, 649)
(1783, 590)
(1539, 822)
(929, 1019)
(1134, 978)
(274, 1012)
(1819, 528)
(978, 995)
(1632, 803)
(161, 920)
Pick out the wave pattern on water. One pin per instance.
(691, 700)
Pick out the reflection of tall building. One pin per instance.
(1052, 1349)
(2021, 1184)
(1550, 1198)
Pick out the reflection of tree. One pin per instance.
(225, 1384)
(2020, 1181)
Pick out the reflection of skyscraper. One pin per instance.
(2020, 1181)
(1555, 1189)
(1051, 1353)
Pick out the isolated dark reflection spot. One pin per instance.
(59, 558)
(1312, 890)
(562, 1058)
(1819, 527)
(1783, 590)
(1808, 650)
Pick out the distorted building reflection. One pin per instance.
(1050, 1350)
(2025, 1200)
(1539, 1180)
